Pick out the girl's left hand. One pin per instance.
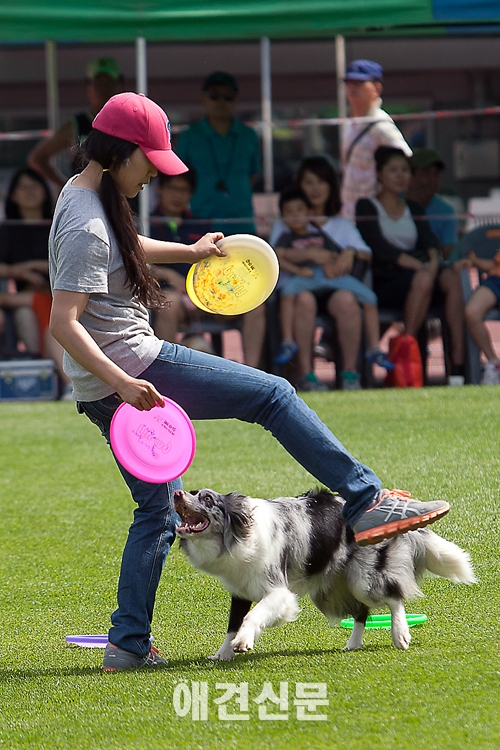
(330, 269)
(205, 246)
(345, 262)
(140, 394)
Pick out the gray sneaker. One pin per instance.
(395, 513)
(350, 381)
(116, 659)
(310, 382)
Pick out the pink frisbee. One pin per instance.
(156, 446)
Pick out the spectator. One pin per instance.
(427, 169)
(24, 258)
(360, 140)
(309, 261)
(225, 154)
(174, 223)
(103, 80)
(24, 251)
(318, 180)
(406, 272)
(178, 225)
(486, 296)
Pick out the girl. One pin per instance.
(312, 257)
(406, 270)
(485, 297)
(318, 180)
(24, 258)
(101, 286)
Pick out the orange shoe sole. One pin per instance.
(389, 530)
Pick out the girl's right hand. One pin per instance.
(319, 255)
(306, 272)
(140, 394)
(205, 246)
(330, 269)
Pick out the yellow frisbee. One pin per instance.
(238, 282)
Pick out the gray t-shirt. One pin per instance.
(84, 257)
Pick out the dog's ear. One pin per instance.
(238, 520)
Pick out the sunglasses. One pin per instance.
(221, 97)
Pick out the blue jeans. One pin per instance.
(210, 387)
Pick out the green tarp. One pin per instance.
(196, 20)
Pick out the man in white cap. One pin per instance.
(360, 140)
(103, 80)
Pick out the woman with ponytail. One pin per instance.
(101, 291)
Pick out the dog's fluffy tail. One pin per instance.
(447, 560)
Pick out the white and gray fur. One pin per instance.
(274, 551)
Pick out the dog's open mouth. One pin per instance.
(192, 523)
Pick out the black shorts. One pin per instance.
(393, 292)
(493, 283)
(322, 298)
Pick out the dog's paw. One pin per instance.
(401, 638)
(225, 653)
(243, 641)
(355, 642)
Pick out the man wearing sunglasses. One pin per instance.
(225, 155)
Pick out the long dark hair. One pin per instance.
(11, 207)
(112, 152)
(385, 153)
(321, 167)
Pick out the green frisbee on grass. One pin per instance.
(384, 621)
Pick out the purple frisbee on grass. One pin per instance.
(89, 641)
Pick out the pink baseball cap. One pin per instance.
(135, 118)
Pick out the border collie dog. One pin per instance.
(273, 551)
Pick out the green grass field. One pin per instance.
(64, 517)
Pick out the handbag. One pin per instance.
(404, 353)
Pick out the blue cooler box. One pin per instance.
(28, 380)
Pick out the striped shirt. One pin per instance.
(359, 175)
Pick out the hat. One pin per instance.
(426, 157)
(219, 78)
(104, 66)
(137, 119)
(363, 70)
